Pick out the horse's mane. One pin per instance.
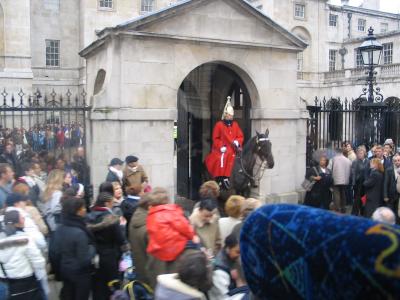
(249, 146)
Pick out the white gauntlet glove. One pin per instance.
(223, 149)
(236, 143)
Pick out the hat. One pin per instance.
(116, 161)
(389, 142)
(11, 217)
(295, 252)
(130, 159)
(228, 109)
(15, 198)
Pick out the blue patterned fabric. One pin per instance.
(298, 252)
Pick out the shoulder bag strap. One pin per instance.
(4, 270)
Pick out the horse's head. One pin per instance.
(264, 148)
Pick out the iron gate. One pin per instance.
(334, 120)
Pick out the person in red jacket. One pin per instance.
(169, 232)
(227, 140)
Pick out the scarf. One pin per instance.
(134, 169)
(119, 173)
(228, 122)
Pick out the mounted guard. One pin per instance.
(227, 142)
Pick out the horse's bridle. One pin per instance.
(258, 176)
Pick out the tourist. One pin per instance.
(350, 152)
(115, 171)
(130, 203)
(39, 177)
(224, 263)
(169, 231)
(138, 238)
(359, 171)
(250, 205)
(118, 198)
(234, 207)
(23, 266)
(341, 170)
(379, 155)
(320, 195)
(388, 151)
(6, 182)
(50, 204)
(209, 190)
(373, 185)
(73, 251)
(204, 220)
(134, 173)
(391, 186)
(67, 180)
(34, 213)
(242, 290)
(384, 215)
(17, 202)
(192, 280)
(110, 244)
(8, 156)
(29, 179)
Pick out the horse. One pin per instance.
(244, 176)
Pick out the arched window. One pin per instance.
(99, 82)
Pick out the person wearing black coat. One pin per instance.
(390, 191)
(115, 173)
(320, 195)
(110, 244)
(359, 170)
(373, 185)
(72, 251)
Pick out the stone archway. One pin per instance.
(201, 99)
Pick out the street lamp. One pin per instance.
(371, 51)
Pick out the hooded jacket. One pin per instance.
(170, 287)
(168, 230)
(139, 240)
(20, 257)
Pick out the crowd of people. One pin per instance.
(366, 181)
(130, 231)
(49, 137)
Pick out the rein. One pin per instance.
(260, 172)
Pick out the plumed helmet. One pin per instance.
(228, 109)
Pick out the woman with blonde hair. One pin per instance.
(51, 204)
(374, 187)
(33, 212)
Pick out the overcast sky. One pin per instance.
(392, 6)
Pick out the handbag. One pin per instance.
(308, 184)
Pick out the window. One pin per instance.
(361, 25)
(300, 61)
(359, 61)
(384, 27)
(52, 53)
(387, 53)
(106, 4)
(333, 20)
(147, 6)
(299, 10)
(332, 60)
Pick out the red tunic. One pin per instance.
(221, 164)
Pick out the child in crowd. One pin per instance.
(168, 230)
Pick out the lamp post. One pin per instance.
(371, 51)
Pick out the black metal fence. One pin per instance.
(334, 120)
(50, 122)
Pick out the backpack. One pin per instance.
(134, 290)
(139, 291)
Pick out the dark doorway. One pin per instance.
(201, 100)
